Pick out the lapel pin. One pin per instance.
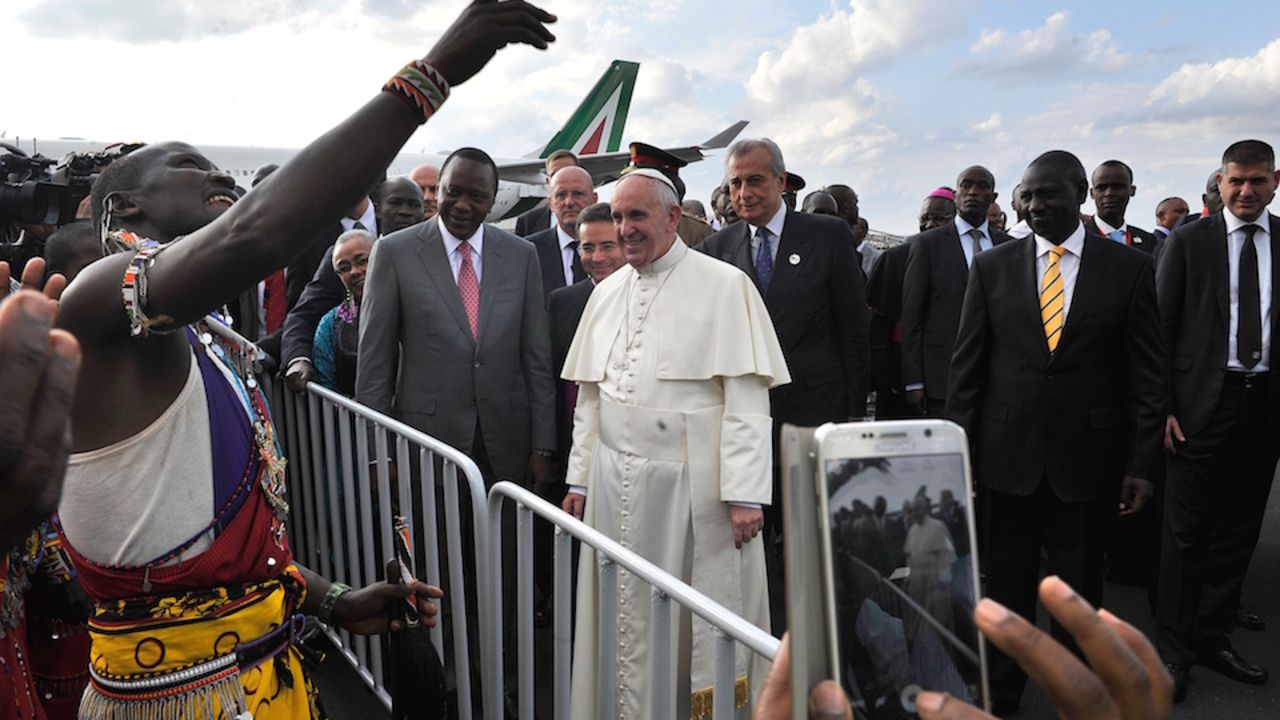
(795, 259)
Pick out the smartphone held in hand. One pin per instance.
(899, 572)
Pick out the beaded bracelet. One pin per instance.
(422, 86)
(336, 590)
(133, 290)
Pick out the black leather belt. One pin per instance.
(1246, 380)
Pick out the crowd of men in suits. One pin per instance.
(1096, 366)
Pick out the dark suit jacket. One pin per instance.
(1139, 239)
(1195, 306)
(1086, 415)
(550, 260)
(533, 221)
(321, 295)
(884, 296)
(563, 315)
(419, 362)
(818, 306)
(932, 293)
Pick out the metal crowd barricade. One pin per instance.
(731, 629)
(342, 531)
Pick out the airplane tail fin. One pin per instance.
(597, 125)
(724, 137)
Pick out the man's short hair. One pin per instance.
(559, 155)
(600, 212)
(1064, 161)
(743, 147)
(120, 176)
(70, 248)
(694, 208)
(1250, 152)
(1120, 164)
(1171, 198)
(476, 155)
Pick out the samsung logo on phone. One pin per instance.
(896, 446)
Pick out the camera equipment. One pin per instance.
(38, 193)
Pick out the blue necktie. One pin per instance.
(1118, 236)
(764, 259)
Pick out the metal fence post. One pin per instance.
(608, 647)
(524, 607)
(660, 623)
(723, 698)
(563, 631)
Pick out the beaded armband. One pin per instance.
(336, 590)
(133, 289)
(422, 86)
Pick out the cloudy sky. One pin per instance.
(891, 96)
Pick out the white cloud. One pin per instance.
(171, 20)
(811, 95)
(833, 50)
(1050, 50)
(1240, 88)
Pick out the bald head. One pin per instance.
(1212, 196)
(975, 191)
(427, 177)
(570, 193)
(400, 205)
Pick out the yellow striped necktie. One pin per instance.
(1052, 300)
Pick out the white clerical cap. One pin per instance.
(651, 173)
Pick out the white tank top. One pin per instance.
(131, 502)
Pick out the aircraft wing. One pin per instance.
(607, 167)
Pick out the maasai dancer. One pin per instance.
(173, 503)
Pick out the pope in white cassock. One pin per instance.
(672, 449)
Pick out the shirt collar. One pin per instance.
(451, 243)
(1105, 228)
(369, 219)
(565, 238)
(1073, 244)
(963, 227)
(775, 223)
(668, 260)
(1234, 223)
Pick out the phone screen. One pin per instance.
(903, 580)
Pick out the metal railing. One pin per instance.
(343, 492)
(343, 530)
(730, 629)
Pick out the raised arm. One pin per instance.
(266, 229)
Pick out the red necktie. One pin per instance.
(275, 304)
(469, 288)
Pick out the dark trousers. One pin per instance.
(1014, 530)
(470, 576)
(1215, 498)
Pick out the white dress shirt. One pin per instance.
(567, 254)
(966, 242)
(775, 227)
(451, 245)
(1068, 266)
(1235, 243)
(369, 219)
(1107, 230)
(1019, 231)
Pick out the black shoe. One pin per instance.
(1250, 620)
(1181, 674)
(1228, 662)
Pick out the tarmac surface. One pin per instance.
(1211, 696)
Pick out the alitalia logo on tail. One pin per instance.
(597, 125)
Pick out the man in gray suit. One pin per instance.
(453, 334)
(454, 341)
